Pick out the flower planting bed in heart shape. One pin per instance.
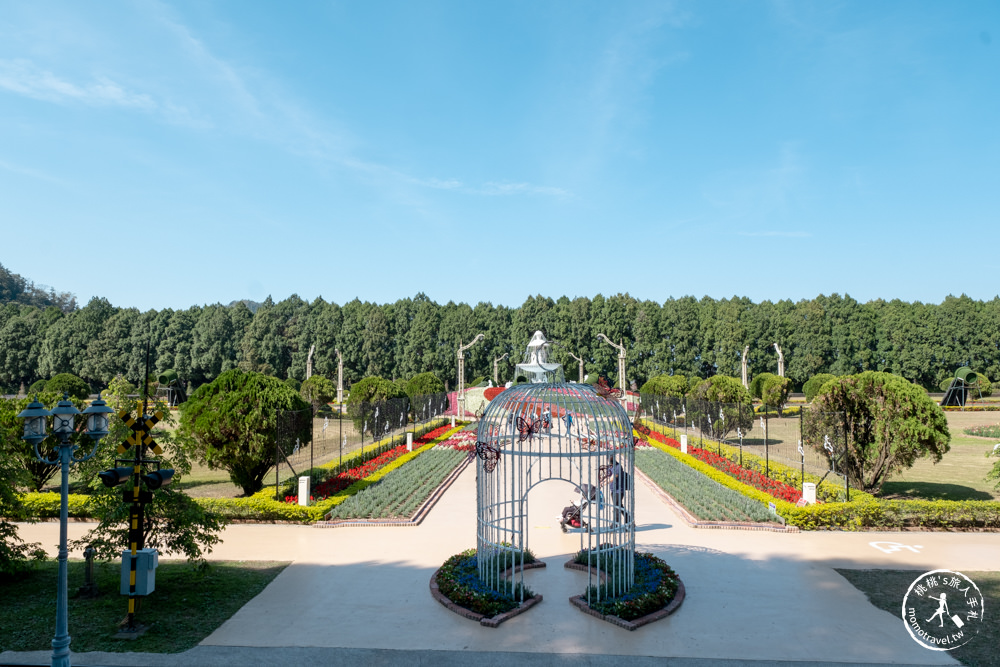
(457, 586)
(656, 593)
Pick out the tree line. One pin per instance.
(923, 343)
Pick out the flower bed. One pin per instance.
(400, 493)
(971, 408)
(458, 580)
(992, 431)
(655, 586)
(344, 479)
(777, 489)
(705, 498)
(463, 441)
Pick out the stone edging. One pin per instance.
(417, 517)
(488, 622)
(694, 522)
(580, 602)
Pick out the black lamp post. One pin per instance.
(35, 418)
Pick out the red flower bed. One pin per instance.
(343, 480)
(493, 392)
(752, 478)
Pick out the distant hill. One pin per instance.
(251, 305)
(17, 289)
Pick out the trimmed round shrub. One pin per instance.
(374, 389)
(813, 385)
(675, 386)
(757, 385)
(70, 384)
(775, 391)
(423, 384)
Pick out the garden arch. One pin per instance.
(533, 433)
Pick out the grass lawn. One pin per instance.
(887, 588)
(961, 474)
(187, 606)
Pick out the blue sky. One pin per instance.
(171, 154)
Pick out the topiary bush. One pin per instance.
(775, 391)
(757, 384)
(424, 384)
(674, 386)
(814, 384)
(319, 391)
(68, 383)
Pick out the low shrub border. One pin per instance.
(260, 507)
(457, 586)
(866, 512)
(657, 592)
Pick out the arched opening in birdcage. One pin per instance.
(533, 433)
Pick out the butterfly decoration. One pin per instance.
(527, 430)
(479, 412)
(604, 474)
(604, 390)
(590, 444)
(489, 454)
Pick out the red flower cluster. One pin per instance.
(752, 478)
(348, 477)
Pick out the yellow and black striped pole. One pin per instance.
(137, 498)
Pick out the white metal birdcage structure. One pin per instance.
(532, 433)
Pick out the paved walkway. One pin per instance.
(752, 596)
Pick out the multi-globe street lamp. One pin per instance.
(64, 415)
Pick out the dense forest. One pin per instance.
(835, 334)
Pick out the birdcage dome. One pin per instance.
(532, 433)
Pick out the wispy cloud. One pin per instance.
(32, 173)
(25, 78)
(493, 188)
(789, 235)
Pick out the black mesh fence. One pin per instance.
(794, 439)
(334, 432)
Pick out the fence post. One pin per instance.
(847, 479)
(340, 431)
(767, 447)
(802, 449)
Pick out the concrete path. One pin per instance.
(752, 596)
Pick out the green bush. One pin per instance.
(234, 422)
(814, 384)
(37, 387)
(775, 391)
(674, 386)
(424, 384)
(757, 384)
(984, 385)
(373, 389)
(477, 381)
(318, 391)
(68, 383)
(294, 384)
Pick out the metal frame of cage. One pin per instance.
(586, 432)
